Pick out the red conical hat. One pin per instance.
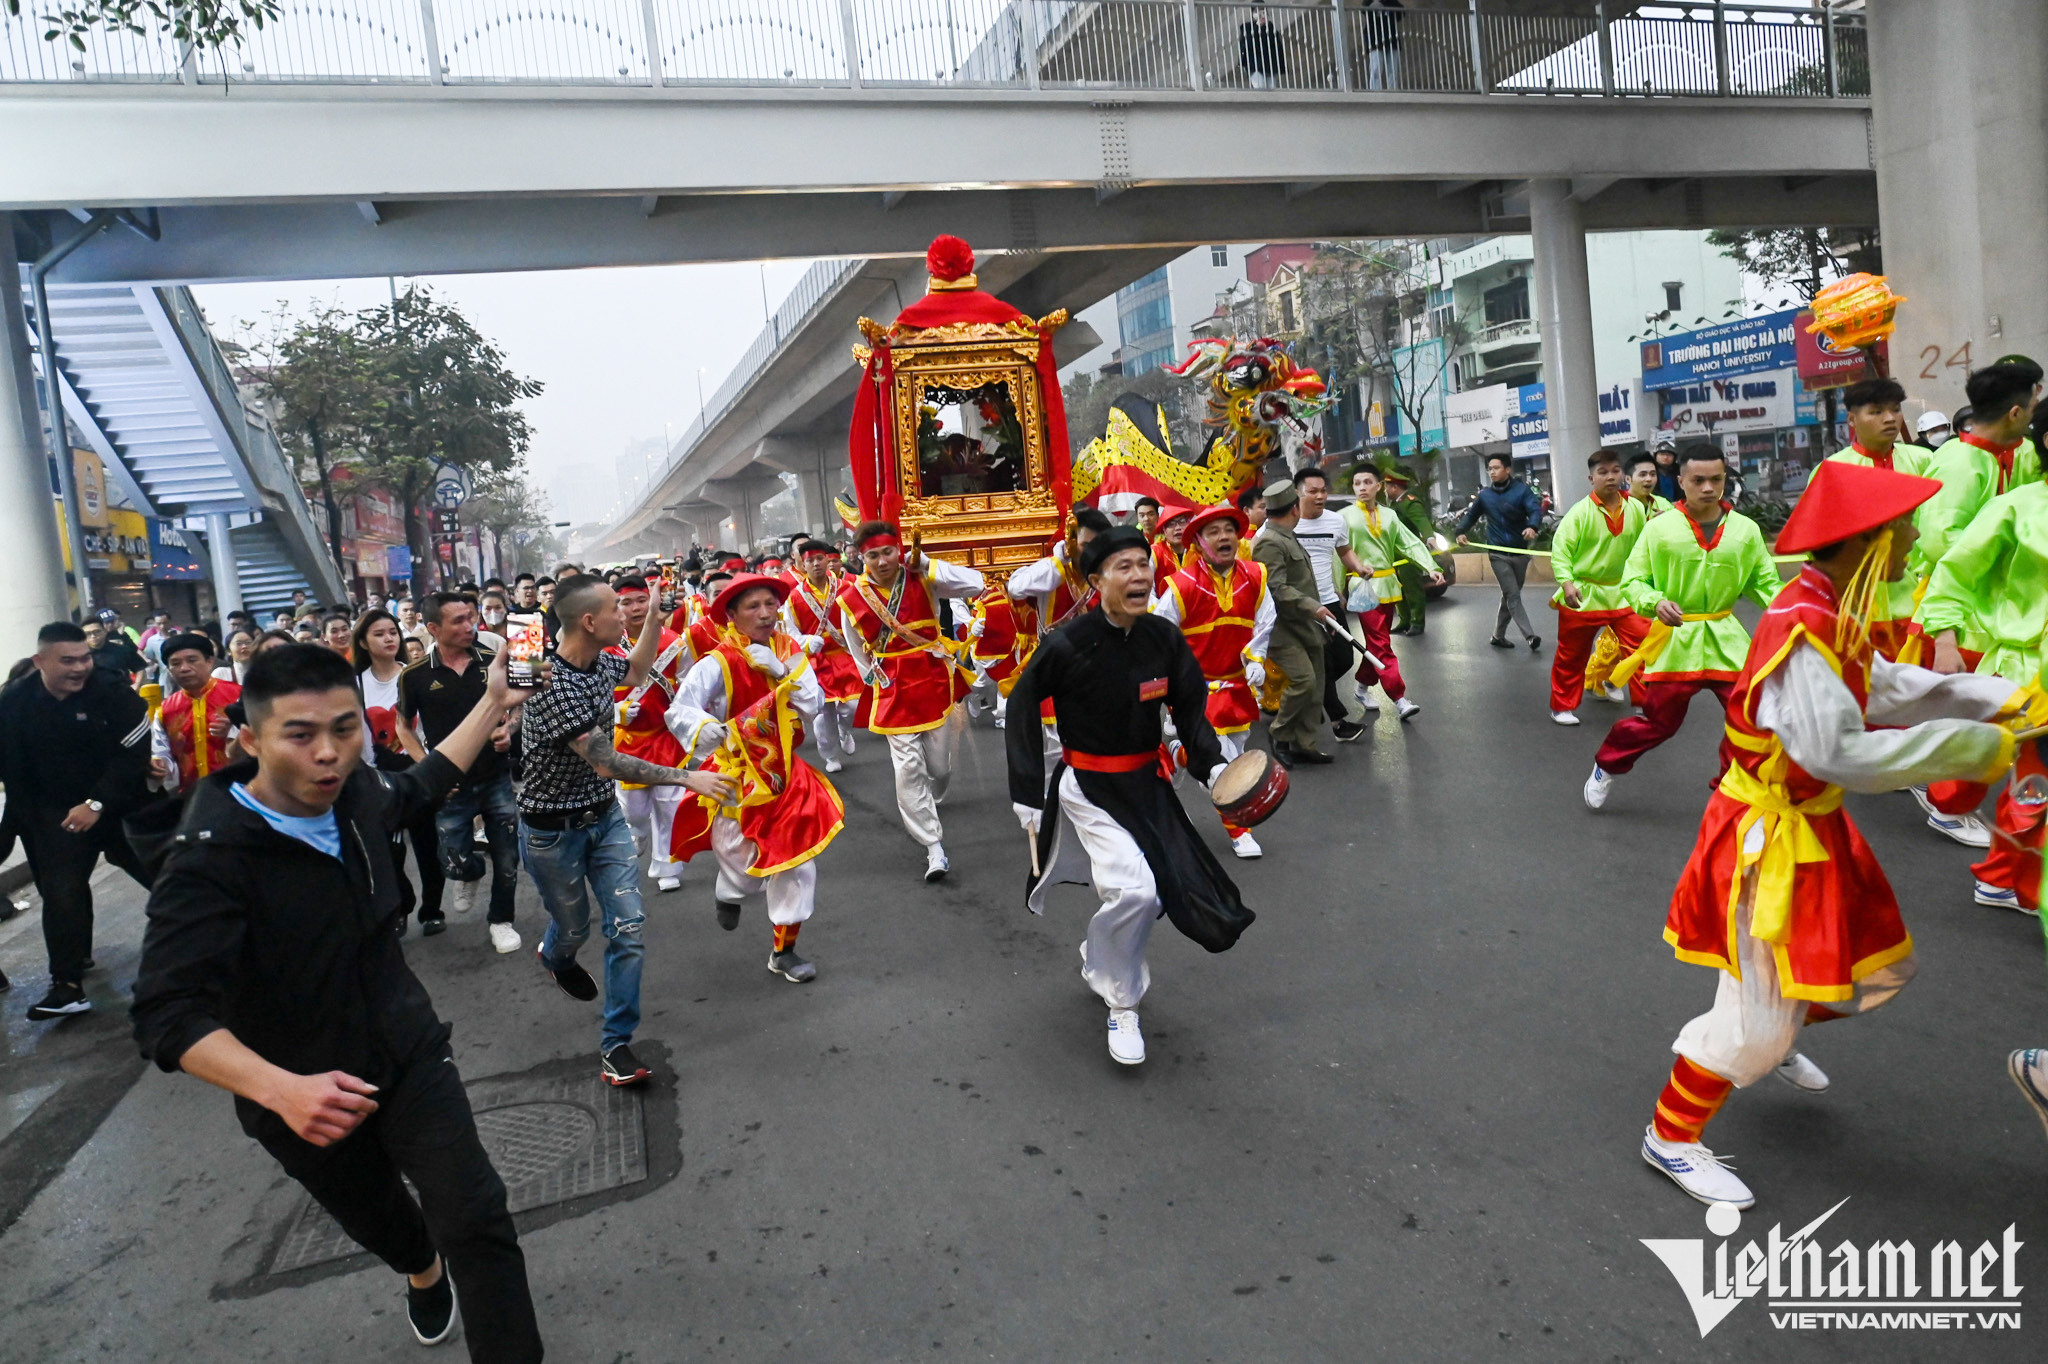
(1844, 499)
(744, 583)
(1222, 513)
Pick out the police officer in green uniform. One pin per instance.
(1412, 506)
(1297, 646)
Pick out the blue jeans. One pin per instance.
(567, 864)
(500, 808)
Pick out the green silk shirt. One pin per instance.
(1993, 583)
(1669, 564)
(1378, 549)
(1585, 549)
(1970, 478)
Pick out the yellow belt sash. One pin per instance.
(1655, 640)
(1789, 840)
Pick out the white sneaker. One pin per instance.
(1126, 1042)
(465, 896)
(1362, 694)
(1998, 897)
(2029, 1070)
(1563, 717)
(1245, 846)
(1610, 692)
(1407, 709)
(935, 864)
(999, 725)
(834, 765)
(1967, 830)
(1596, 788)
(1800, 1073)
(504, 938)
(846, 739)
(1696, 1170)
(668, 883)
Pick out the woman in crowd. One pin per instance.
(241, 648)
(392, 747)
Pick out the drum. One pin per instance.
(1250, 788)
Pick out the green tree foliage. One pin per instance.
(205, 24)
(1803, 260)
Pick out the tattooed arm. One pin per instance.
(594, 746)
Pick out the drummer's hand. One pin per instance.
(1255, 674)
(1209, 782)
(1028, 817)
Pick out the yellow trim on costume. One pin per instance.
(1799, 634)
(1690, 958)
(2008, 749)
(1655, 641)
(1703, 1103)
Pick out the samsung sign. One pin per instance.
(1754, 345)
(1529, 423)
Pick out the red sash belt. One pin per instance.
(1109, 762)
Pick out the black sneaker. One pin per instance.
(1312, 756)
(1500, 642)
(63, 1000)
(621, 1067)
(1535, 644)
(432, 1311)
(792, 967)
(1347, 731)
(432, 925)
(574, 980)
(728, 916)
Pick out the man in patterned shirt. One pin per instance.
(572, 830)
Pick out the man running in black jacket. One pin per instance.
(271, 967)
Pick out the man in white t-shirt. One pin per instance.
(1326, 537)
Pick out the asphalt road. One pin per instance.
(1399, 1121)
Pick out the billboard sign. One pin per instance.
(1732, 350)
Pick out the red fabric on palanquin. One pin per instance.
(1217, 612)
(954, 298)
(784, 806)
(1844, 921)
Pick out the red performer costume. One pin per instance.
(1782, 895)
(807, 614)
(748, 699)
(1227, 616)
(196, 729)
(640, 733)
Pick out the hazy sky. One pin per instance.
(618, 349)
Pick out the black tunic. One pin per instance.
(1094, 674)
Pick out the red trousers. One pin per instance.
(1664, 706)
(1373, 625)
(1576, 631)
(2014, 860)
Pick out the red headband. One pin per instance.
(883, 538)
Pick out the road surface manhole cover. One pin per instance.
(550, 1139)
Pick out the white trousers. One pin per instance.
(924, 769)
(1752, 1027)
(792, 892)
(833, 734)
(651, 812)
(1113, 956)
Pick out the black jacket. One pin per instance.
(59, 752)
(294, 952)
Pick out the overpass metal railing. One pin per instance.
(1596, 48)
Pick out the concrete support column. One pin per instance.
(227, 579)
(36, 592)
(1564, 312)
(813, 504)
(1957, 111)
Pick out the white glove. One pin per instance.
(764, 658)
(1255, 674)
(980, 624)
(629, 711)
(1027, 817)
(813, 644)
(711, 736)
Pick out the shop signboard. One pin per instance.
(1823, 364)
(1757, 402)
(1732, 350)
(1528, 424)
(1477, 416)
(398, 563)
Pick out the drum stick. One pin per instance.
(2022, 735)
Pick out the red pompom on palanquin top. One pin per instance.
(950, 263)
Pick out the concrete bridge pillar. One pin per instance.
(36, 593)
(1564, 312)
(810, 457)
(1957, 112)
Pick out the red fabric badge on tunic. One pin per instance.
(1153, 689)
